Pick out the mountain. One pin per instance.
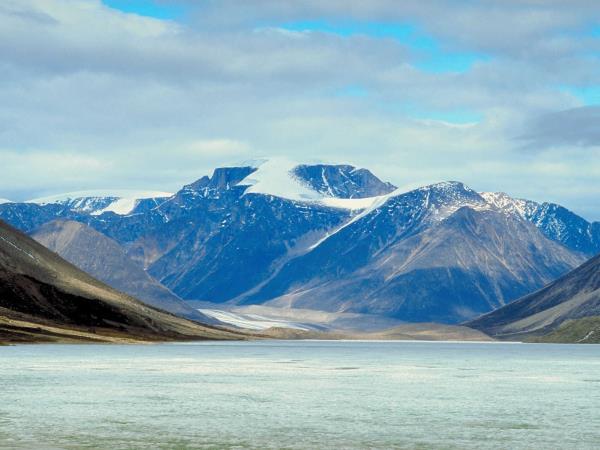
(573, 296)
(222, 252)
(43, 297)
(441, 253)
(555, 221)
(105, 260)
(335, 238)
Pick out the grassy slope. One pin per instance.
(584, 331)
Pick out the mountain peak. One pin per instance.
(288, 179)
(446, 197)
(504, 202)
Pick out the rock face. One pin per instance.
(105, 260)
(336, 238)
(342, 181)
(41, 291)
(573, 296)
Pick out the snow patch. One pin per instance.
(348, 203)
(4, 200)
(253, 321)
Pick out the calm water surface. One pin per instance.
(300, 395)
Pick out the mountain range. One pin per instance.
(325, 237)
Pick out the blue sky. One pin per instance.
(148, 8)
(152, 94)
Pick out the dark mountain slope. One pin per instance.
(39, 288)
(231, 249)
(573, 296)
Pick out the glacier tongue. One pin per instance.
(274, 177)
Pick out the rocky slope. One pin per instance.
(43, 297)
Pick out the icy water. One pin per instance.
(300, 395)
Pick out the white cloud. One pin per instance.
(91, 97)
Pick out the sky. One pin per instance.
(115, 94)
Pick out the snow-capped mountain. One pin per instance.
(332, 237)
(4, 200)
(437, 253)
(120, 202)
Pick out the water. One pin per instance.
(300, 395)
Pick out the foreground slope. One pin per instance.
(573, 296)
(44, 297)
(579, 331)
